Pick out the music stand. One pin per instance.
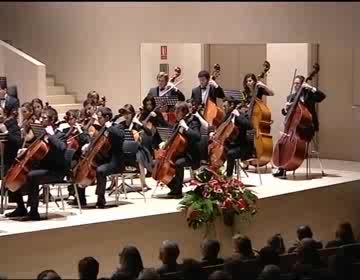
(3, 139)
(165, 133)
(166, 100)
(38, 129)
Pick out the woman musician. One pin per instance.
(88, 117)
(250, 83)
(27, 112)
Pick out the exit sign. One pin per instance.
(163, 52)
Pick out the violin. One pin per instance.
(164, 169)
(260, 118)
(290, 150)
(213, 114)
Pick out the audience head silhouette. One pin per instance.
(210, 249)
(88, 268)
(130, 261)
(169, 252)
(277, 243)
(48, 274)
(304, 232)
(345, 233)
(242, 246)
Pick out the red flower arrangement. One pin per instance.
(213, 196)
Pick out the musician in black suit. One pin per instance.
(309, 97)
(8, 98)
(163, 85)
(112, 164)
(9, 125)
(190, 127)
(240, 147)
(52, 169)
(207, 89)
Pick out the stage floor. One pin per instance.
(337, 172)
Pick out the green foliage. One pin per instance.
(213, 192)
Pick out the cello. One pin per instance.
(225, 133)
(213, 114)
(290, 150)
(84, 173)
(17, 174)
(164, 169)
(260, 117)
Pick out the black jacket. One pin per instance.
(157, 121)
(116, 137)
(213, 94)
(155, 92)
(310, 100)
(59, 157)
(13, 142)
(193, 136)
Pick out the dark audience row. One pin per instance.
(308, 264)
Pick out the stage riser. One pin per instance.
(24, 255)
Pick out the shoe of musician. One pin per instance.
(175, 195)
(31, 216)
(101, 202)
(75, 203)
(280, 173)
(18, 212)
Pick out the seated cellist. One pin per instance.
(51, 169)
(310, 96)
(191, 130)
(114, 163)
(240, 148)
(71, 129)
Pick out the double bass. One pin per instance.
(170, 116)
(164, 169)
(225, 133)
(260, 118)
(17, 174)
(290, 150)
(213, 114)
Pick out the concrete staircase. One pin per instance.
(59, 99)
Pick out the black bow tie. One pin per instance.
(203, 88)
